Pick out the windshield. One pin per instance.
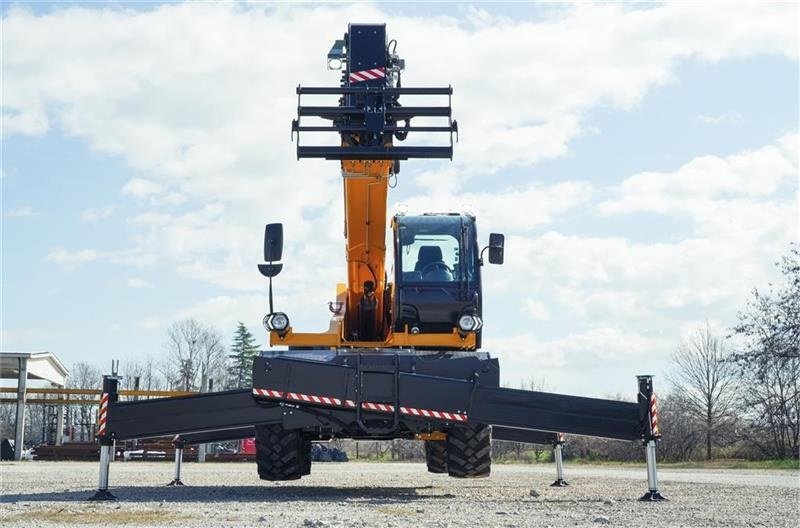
(431, 249)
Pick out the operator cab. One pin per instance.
(437, 273)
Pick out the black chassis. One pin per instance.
(378, 395)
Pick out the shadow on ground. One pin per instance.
(378, 495)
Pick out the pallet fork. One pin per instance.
(299, 393)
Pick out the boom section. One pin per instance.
(366, 121)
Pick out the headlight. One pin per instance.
(469, 323)
(278, 321)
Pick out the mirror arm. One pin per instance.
(271, 309)
(480, 258)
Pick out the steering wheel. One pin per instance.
(433, 266)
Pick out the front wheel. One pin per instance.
(281, 454)
(469, 451)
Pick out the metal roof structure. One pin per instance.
(22, 366)
(40, 366)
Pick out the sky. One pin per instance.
(642, 160)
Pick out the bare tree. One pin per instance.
(194, 353)
(683, 433)
(769, 360)
(82, 417)
(146, 370)
(706, 381)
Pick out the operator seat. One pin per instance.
(432, 255)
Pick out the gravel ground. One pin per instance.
(393, 495)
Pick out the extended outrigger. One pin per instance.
(401, 357)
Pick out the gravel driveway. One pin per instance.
(393, 495)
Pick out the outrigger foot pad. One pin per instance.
(653, 496)
(559, 483)
(102, 495)
(176, 482)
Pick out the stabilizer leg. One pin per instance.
(652, 495)
(102, 493)
(106, 440)
(558, 448)
(648, 413)
(176, 480)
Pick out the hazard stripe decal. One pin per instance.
(367, 75)
(654, 416)
(369, 406)
(102, 415)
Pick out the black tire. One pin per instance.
(281, 454)
(469, 451)
(306, 454)
(436, 456)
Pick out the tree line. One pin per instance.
(732, 393)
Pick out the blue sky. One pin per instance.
(645, 171)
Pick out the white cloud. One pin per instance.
(506, 209)
(721, 119)
(24, 211)
(607, 346)
(141, 188)
(93, 215)
(70, 259)
(536, 310)
(136, 282)
(160, 93)
(719, 194)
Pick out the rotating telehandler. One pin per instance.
(402, 355)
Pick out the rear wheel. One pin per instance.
(469, 451)
(306, 454)
(436, 456)
(281, 454)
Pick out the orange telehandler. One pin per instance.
(401, 357)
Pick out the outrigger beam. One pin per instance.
(380, 392)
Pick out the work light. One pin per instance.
(469, 323)
(278, 321)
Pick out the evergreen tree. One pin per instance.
(243, 350)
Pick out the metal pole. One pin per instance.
(176, 480)
(201, 449)
(102, 493)
(136, 398)
(558, 448)
(19, 426)
(60, 423)
(652, 475)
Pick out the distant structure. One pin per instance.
(22, 366)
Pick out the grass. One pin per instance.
(395, 511)
(65, 516)
(721, 463)
(544, 457)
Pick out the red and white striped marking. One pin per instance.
(102, 415)
(441, 415)
(654, 416)
(369, 406)
(367, 75)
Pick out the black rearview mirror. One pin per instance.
(273, 242)
(496, 244)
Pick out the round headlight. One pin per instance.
(469, 323)
(279, 321)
